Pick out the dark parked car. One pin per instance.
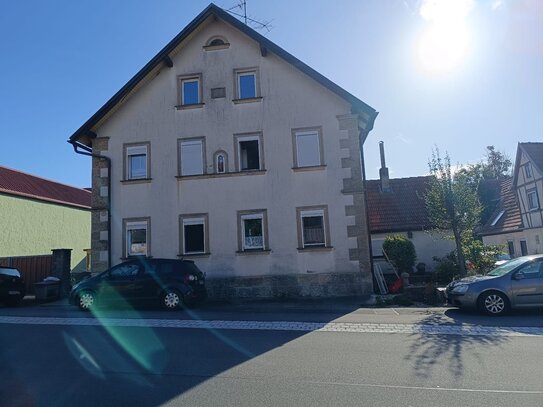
(170, 283)
(517, 283)
(12, 287)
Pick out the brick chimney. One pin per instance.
(383, 171)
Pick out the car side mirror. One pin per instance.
(518, 276)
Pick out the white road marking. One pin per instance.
(452, 389)
(427, 329)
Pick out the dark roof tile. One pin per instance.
(402, 209)
(18, 183)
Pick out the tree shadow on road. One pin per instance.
(431, 351)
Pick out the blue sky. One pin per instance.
(63, 59)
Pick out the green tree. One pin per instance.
(484, 178)
(497, 166)
(452, 202)
(400, 251)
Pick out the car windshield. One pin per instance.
(506, 267)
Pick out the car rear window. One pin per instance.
(189, 267)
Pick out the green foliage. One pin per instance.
(401, 252)
(497, 164)
(452, 201)
(481, 258)
(447, 269)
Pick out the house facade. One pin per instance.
(227, 150)
(397, 206)
(517, 223)
(38, 215)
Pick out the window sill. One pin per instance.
(309, 168)
(249, 252)
(216, 47)
(247, 100)
(187, 107)
(223, 175)
(316, 249)
(182, 256)
(136, 181)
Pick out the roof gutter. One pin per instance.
(84, 150)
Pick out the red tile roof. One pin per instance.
(510, 220)
(18, 183)
(402, 209)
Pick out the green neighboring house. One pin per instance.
(38, 215)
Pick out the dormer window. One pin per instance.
(215, 43)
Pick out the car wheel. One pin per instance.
(493, 303)
(87, 300)
(172, 300)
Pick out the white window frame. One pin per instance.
(132, 151)
(245, 217)
(241, 139)
(136, 225)
(191, 142)
(308, 214)
(532, 198)
(528, 171)
(239, 74)
(304, 133)
(194, 221)
(198, 85)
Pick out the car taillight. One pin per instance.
(189, 278)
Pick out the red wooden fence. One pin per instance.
(32, 268)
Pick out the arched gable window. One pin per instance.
(216, 42)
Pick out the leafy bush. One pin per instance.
(480, 258)
(447, 268)
(401, 252)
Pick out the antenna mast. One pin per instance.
(242, 6)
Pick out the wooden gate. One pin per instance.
(32, 268)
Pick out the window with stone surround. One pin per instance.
(246, 85)
(252, 230)
(189, 91)
(193, 236)
(307, 147)
(313, 227)
(136, 236)
(191, 156)
(248, 152)
(136, 158)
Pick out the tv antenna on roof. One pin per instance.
(242, 13)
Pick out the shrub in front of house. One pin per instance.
(401, 252)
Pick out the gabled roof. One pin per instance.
(534, 151)
(506, 218)
(358, 106)
(18, 183)
(402, 209)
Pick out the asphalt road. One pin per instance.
(57, 357)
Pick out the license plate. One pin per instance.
(14, 292)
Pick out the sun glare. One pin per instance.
(444, 44)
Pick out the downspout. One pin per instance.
(88, 152)
(363, 134)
